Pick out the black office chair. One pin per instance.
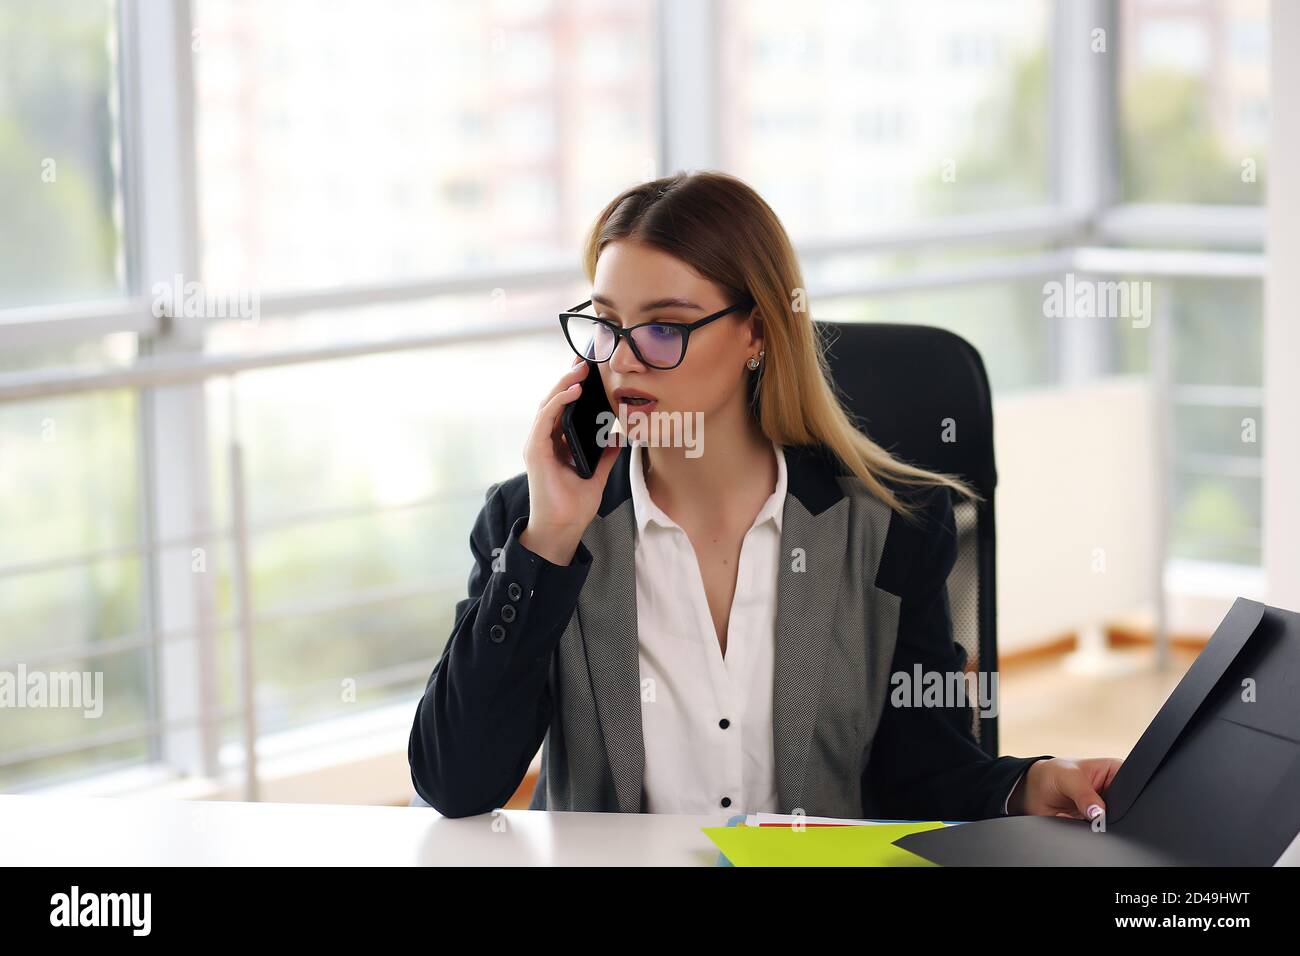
(902, 382)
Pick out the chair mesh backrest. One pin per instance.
(964, 592)
(923, 394)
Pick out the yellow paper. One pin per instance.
(818, 846)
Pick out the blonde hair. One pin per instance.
(724, 230)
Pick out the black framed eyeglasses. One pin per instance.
(660, 345)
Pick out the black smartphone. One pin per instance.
(582, 422)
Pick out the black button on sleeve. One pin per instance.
(498, 633)
(726, 801)
(724, 723)
(549, 590)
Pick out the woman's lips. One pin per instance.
(634, 405)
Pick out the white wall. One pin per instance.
(1074, 493)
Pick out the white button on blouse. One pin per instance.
(706, 719)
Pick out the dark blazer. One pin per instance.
(543, 655)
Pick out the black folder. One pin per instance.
(1213, 781)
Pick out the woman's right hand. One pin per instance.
(561, 503)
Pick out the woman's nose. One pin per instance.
(624, 359)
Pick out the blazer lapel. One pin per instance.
(815, 521)
(607, 618)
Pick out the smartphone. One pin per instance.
(582, 421)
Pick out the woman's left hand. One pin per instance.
(1065, 788)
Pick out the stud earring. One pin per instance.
(754, 360)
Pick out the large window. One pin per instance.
(255, 524)
(1192, 131)
(857, 115)
(69, 475)
(61, 237)
(1193, 80)
(357, 142)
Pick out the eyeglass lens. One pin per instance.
(659, 345)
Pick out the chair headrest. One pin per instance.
(920, 392)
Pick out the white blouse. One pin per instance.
(706, 720)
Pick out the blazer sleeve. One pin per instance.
(487, 704)
(925, 763)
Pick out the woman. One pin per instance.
(694, 633)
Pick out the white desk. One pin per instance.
(125, 831)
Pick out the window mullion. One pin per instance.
(161, 221)
(687, 46)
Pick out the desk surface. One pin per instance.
(125, 831)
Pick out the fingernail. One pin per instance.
(1094, 811)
